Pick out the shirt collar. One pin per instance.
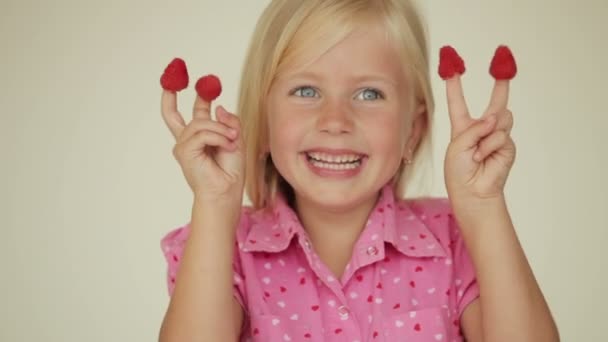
(404, 227)
(273, 229)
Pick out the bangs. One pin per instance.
(327, 24)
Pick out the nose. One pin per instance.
(336, 117)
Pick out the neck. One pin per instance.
(333, 232)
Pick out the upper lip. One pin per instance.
(335, 152)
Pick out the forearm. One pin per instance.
(202, 301)
(512, 305)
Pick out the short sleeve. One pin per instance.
(465, 279)
(173, 245)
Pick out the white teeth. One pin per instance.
(335, 166)
(323, 157)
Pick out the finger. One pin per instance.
(232, 121)
(475, 132)
(490, 144)
(202, 139)
(500, 96)
(195, 145)
(457, 106)
(503, 68)
(227, 118)
(173, 119)
(504, 121)
(198, 125)
(202, 109)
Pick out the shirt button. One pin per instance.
(307, 244)
(343, 311)
(372, 250)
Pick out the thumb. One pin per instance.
(471, 136)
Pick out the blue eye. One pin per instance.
(305, 91)
(369, 94)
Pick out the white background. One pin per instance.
(88, 183)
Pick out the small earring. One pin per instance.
(408, 161)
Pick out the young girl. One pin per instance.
(336, 110)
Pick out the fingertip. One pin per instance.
(490, 119)
(486, 125)
(220, 113)
(477, 156)
(222, 109)
(227, 116)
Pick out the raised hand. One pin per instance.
(210, 153)
(481, 152)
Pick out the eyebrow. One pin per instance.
(357, 78)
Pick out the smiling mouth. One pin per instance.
(348, 161)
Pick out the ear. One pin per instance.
(264, 148)
(417, 129)
(263, 155)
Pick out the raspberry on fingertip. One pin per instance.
(175, 77)
(450, 63)
(503, 65)
(209, 87)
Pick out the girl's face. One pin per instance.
(338, 127)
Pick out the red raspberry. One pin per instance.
(450, 63)
(175, 77)
(503, 65)
(208, 87)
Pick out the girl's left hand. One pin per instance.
(481, 152)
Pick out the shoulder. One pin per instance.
(435, 213)
(174, 242)
(176, 237)
(428, 206)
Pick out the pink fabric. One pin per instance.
(409, 279)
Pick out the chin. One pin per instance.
(334, 188)
(336, 197)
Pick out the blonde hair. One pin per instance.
(289, 28)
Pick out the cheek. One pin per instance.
(388, 133)
(284, 130)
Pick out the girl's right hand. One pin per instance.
(210, 153)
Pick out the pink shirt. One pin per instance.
(409, 277)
